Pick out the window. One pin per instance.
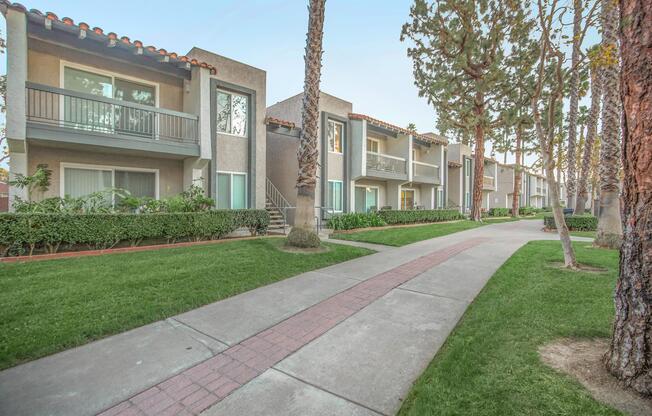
(372, 145)
(232, 113)
(231, 190)
(335, 133)
(467, 167)
(366, 198)
(81, 181)
(414, 154)
(334, 197)
(103, 117)
(440, 198)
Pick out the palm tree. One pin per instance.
(592, 129)
(609, 223)
(574, 87)
(629, 357)
(303, 233)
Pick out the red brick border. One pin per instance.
(84, 253)
(205, 384)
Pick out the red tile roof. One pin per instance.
(379, 123)
(83, 31)
(279, 122)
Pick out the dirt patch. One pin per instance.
(581, 267)
(299, 250)
(582, 359)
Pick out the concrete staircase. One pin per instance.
(277, 223)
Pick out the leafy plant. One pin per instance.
(355, 220)
(573, 222)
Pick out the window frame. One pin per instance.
(231, 93)
(98, 71)
(440, 198)
(365, 187)
(335, 122)
(414, 197)
(371, 139)
(231, 174)
(332, 196)
(88, 166)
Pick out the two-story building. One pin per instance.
(365, 163)
(105, 111)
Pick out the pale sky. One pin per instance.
(364, 60)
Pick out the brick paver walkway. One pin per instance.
(205, 384)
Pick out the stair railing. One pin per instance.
(278, 201)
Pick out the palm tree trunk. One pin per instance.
(573, 86)
(517, 172)
(610, 229)
(592, 128)
(629, 357)
(308, 153)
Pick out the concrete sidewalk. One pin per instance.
(373, 325)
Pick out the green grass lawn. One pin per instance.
(490, 365)
(48, 306)
(590, 234)
(401, 236)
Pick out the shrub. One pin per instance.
(26, 232)
(355, 220)
(573, 222)
(303, 238)
(419, 215)
(526, 211)
(499, 212)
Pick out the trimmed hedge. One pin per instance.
(573, 222)
(355, 220)
(23, 233)
(393, 217)
(499, 212)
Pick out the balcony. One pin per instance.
(425, 173)
(386, 166)
(55, 114)
(488, 183)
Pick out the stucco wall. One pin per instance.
(282, 164)
(44, 67)
(232, 151)
(170, 171)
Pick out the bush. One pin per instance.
(573, 222)
(355, 220)
(302, 238)
(26, 232)
(499, 212)
(419, 215)
(526, 211)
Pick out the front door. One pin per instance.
(407, 199)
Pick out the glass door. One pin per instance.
(407, 199)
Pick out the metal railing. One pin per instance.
(425, 170)
(488, 182)
(386, 163)
(278, 201)
(85, 112)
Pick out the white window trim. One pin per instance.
(342, 196)
(231, 173)
(341, 139)
(66, 64)
(231, 93)
(371, 139)
(372, 187)
(64, 165)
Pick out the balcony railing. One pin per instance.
(61, 108)
(386, 163)
(425, 171)
(488, 182)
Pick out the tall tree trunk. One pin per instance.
(303, 233)
(610, 229)
(573, 86)
(478, 172)
(518, 172)
(630, 354)
(592, 129)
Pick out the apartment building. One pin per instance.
(102, 111)
(365, 163)
(533, 193)
(461, 165)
